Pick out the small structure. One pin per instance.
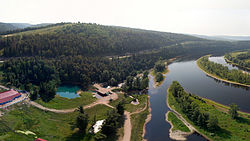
(39, 139)
(8, 96)
(98, 126)
(102, 91)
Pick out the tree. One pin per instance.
(111, 123)
(233, 111)
(159, 77)
(82, 122)
(159, 66)
(212, 124)
(34, 94)
(80, 109)
(120, 108)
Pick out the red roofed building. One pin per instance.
(39, 139)
(8, 96)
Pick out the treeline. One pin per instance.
(44, 75)
(191, 109)
(240, 59)
(223, 71)
(88, 40)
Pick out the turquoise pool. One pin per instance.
(68, 91)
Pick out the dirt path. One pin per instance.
(127, 123)
(127, 127)
(104, 101)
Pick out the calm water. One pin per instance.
(195, 81)
(221, 60)
(68, 91)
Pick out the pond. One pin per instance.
(68, 91)
(194, 81)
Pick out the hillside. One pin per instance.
(87, 39)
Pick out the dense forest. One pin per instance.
(223, 71)
(242, 59)
(40, 59)
(88, 40)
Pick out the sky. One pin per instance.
(205, 17)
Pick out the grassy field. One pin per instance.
(65, 103)
(128, 106)
(46, 125)
(230, 129)
(177, 123)
(142, 103)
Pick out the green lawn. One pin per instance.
(230, 129)
(142, 102)
(46, 125)
(177, 123)
(66, 103)
(128, 106)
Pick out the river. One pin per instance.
(194, 81)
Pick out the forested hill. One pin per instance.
(88, 40)
(40, 59)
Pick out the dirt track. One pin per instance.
(128, 125)
(104, 101)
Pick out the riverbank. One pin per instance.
(224, 108)
(190, 126)
(149, 117)
(227, 128)
(217, 77)
(177, 134)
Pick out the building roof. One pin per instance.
(98, 126)
(8, 95)
(102, 90)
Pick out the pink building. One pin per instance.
(8, 96)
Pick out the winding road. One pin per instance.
(104, 101)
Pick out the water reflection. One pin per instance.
(194, 81)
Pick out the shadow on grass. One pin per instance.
(223, 133)
(77, 136)
(243, 120)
